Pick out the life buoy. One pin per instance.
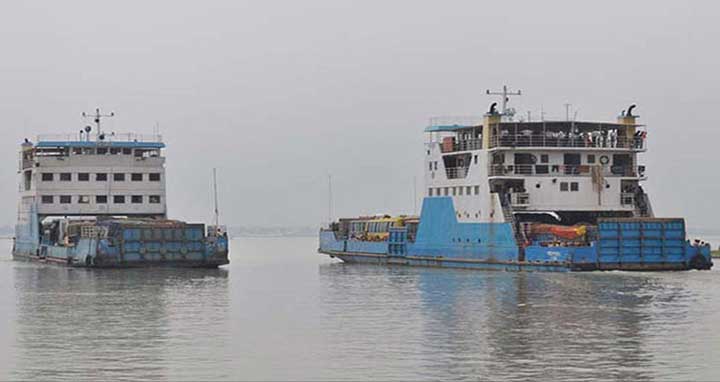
(604, 159)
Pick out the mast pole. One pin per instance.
(217, 210)
(330, 201)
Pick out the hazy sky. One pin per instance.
(279, 94)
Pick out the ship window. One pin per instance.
(454, 191)
(119, 177)
(460, 191)
(477, 190)
(136, 199)
(47, 177)
(574, 186)
(83, 177)
(127, 151)
(468, 190)
(119, 199)
(429, 191)
(430, 166)
(563, 186)
(136, 177)
(84, 199)
(114, 150)
(101, 177)
(435, 165)
(446, 191)
(47, 199)
(544, 158)
(88, 151)
(155, 177)
(77, 150)
(102, 150)
(475, 159)
(65, 176)
(591, 158)
(154, 199)
(101, 199)
(65, 199)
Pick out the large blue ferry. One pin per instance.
(96, 199)
(526, 195)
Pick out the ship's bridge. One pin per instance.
(94, 174)
(457, 134)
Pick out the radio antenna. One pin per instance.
(97, 116)
(506, 97)
(217, 210)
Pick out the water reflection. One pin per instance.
(450, 324)
(75, 324)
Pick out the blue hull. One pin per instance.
(441, 241)
(126, 244)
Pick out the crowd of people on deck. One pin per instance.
(602, 138)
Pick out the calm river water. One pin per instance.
(282, 312)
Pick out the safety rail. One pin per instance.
(579, 141)
(464, 145)
(108, 137)
(568, 170)
(520, 199)
(627, 199)
(456, 172)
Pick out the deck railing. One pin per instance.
(464, 145)
(522, 140)
(109, 137)
(565, 170)
(456, 172)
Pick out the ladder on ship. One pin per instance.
(518, 232)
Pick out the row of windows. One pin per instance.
(144, 152)
(100, 199)
(100, 177)
(571, 186)
(545, 158)
(454, 191)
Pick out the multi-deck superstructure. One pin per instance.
(98, 199)
(557, 195)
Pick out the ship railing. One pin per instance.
(564, 141)
(464, 145)
(456, 172)
(108, 137)
(627, 199)
(520, 199)
(566, 170)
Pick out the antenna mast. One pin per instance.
(330, 201)
(217, 210)
(505, 94)
(97, 116)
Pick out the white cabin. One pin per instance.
(94, 175)
(494, 168)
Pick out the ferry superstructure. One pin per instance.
(97, 199)
(545, 195)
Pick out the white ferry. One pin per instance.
(540, 195)
(97, 199)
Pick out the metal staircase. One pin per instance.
(518, 232)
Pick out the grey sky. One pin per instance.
(278, 94)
